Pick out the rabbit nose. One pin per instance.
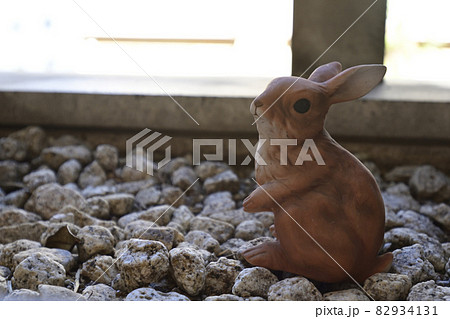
(258, 103)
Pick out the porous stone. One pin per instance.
(254, 281)
(107, 156)
(17, 198)
(38, 269)
(295, 288)
(182, 216)
(143, 262)
(429, 183)
(22, 295)
(61, 256)
(3, 287)
(410, 261)
(218, 202)
(224, 297)
(4, 271)
(95, 240)
(184, 177)
(439, 213)
(391, 220)
(69, 172)
(82, 219)
(119, 204)
(30, 231)
(135, 186)
(48, 199)
(398, 197)
(100, 269)
(12, 149)
(54, 293)
(232, 247)
(128, 174)
(203, 240)
(388, 287)
(209, 169)
(38, 178)
(346, 295)
(249, 229)
(266, 218)
(188, 269)
(160, 214)
(420, 223)
(14, 216)
(9, 250)
(144, 294)
(148, 197)
(99, 292)
(33, 137)
(141, 229)
(165, 172)
(400, 174)
(12, 171)
(233, 217)
(98, 207)
(221, 275)
(225, 181)
(172, 196)
(101, 190)
(220, 230)
(429, 291)
(56, 155)
(92, 175)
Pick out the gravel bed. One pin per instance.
(77, 224)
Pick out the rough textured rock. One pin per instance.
(48, 199)
(400, 174)
(224, 297)
(12, 149)
(398, 197)
(203, 240)
(249, 229)
(410, 261)
(221, 231)
(3, 287)
(182, 216)
(254, 281)
(221, 275)
(420, 223)
(225, 181)
(61, 256)
(172, 196)
(218, 202)
(12, 171)
(92, 175)
(38, 269)
(388, 287)
(144, 262)
(209, 169)
(107, 156)
(295, 288)
(98, 207)
(22, 295)
(160, 214)
(33, 137)
(9, 250)
(119, 204)
(148, 197)
(99, 292)
(95, 240)
(16, 198)
(54, 293)
(69, 172)
(346, 295)
(439, 213)
(38, 178)
(429, 291)
(100, 269)
(429, 183)
(14, 216)
(188, 269)
(233, 217)
(30, 231)
(141, 229)
(144, 294)
(184, 177)
(56, 155)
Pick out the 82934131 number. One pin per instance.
(406, 310)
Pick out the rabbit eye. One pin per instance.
(302, 106)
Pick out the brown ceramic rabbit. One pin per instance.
(339, 204)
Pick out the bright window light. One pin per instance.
(418, 41)
(164, 38)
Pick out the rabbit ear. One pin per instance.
(354, 82)
(325, 72)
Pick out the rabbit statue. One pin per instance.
(328, 219)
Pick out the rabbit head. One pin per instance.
(294, 107)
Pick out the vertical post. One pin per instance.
(318, 23)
